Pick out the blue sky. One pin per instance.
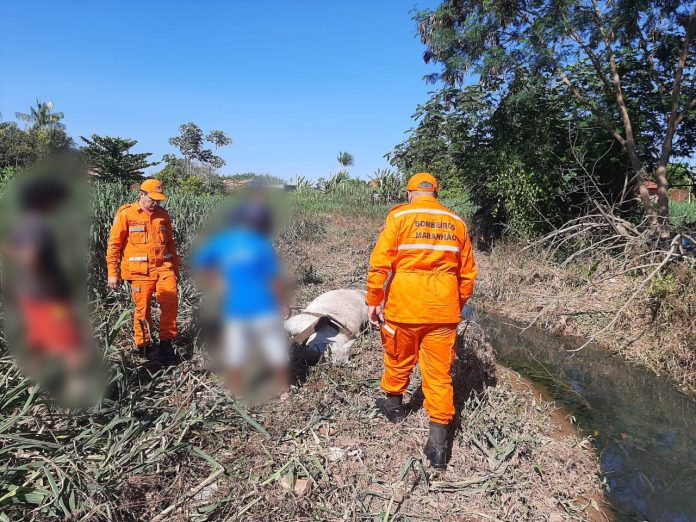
(292, 82)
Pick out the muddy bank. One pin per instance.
(658, 330)
(643, 429)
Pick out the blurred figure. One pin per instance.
(142, 241)
(44, 318)
(240, 263)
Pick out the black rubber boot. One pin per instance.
(147, 351)
(436, 447)
(393, 408)
(165, 354)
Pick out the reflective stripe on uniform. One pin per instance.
(426, 246)
(428, 211)
(389, 329)
(136, 229)
(139, 258)
(168, 255)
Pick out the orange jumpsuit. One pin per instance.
(144, 244)
(425, 259)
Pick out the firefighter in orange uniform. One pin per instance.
(142, 241)
(425, 259)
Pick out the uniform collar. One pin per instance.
(424, 199)
(141, 209)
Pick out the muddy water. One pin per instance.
(643, 429)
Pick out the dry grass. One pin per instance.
(171, 444)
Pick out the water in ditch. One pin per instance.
(644, 430)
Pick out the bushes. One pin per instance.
(683, 213)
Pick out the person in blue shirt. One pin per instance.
(246, 271)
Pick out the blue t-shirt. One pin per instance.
(248, 266)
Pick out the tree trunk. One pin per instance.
(643, 192)
(672, 123)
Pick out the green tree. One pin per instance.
(41, 115)
(345, 159)
(112, 159)
(623, 65)
(218, 138)
(50, 141)
(17, 147)
(174, 171)
(191, 144)
(192, 184)
(23, 148)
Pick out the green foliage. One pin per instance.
(512, 158)
(173, 172)
(263, 178)
(42, 115)
(190, 143)
(178, 174)
(218, 138)
(23, 148)
(345, 159)
(389, 186)
(544, 109)
(681, 174)
(7, 174)
(334, 182)
(17, 147)
(302, 183)
(661, 286)
(683, 213)
(192, 184)
(112, 159)
(43, 136)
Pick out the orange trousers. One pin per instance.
(432, 344)
(164, 289)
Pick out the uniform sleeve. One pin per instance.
(117, 240)
(467, 270)
(171, 247)
(381, 261)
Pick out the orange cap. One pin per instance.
(153, 187)
(422, 177)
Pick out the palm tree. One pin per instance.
(42, 115)
(345, 159)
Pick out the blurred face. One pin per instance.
(147, 202)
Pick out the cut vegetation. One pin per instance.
(172, 444)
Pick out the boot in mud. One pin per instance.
(165, 354)
(392, 407)
(436, 447)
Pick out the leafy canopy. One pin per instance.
(112, 159)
